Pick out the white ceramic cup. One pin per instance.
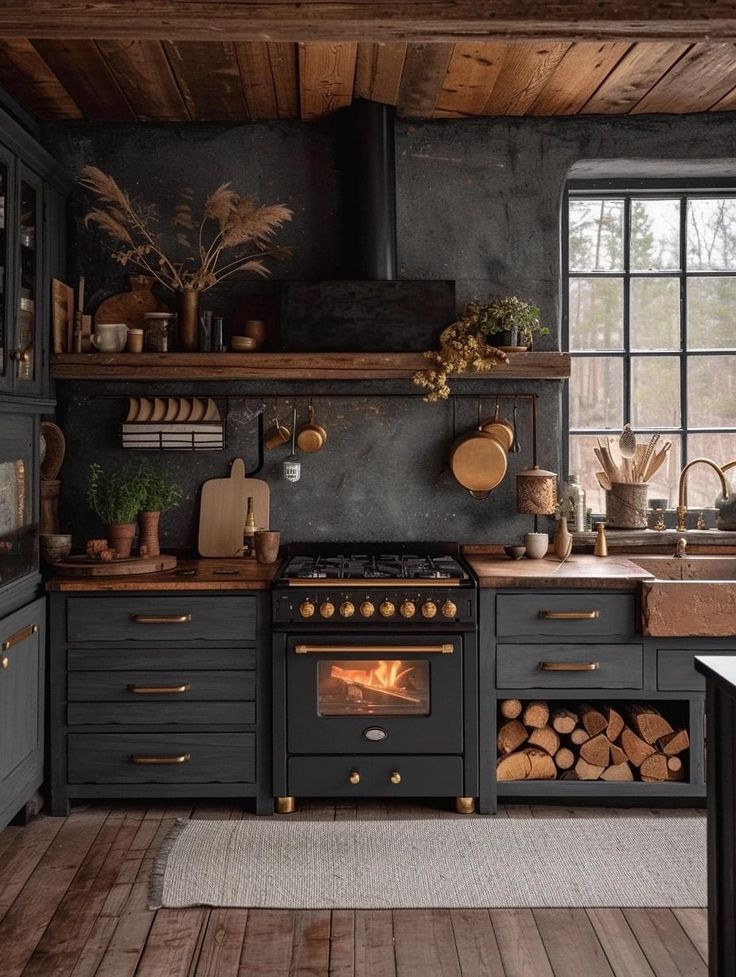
(110, 337)
(537, 545)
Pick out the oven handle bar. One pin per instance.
(443, 649)
(397, 583)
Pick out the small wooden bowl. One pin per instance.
(242, 344)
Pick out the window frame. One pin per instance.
(626, 190)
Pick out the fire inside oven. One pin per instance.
(368, 687)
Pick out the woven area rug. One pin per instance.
(444, 863)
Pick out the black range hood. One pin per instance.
(370, 308)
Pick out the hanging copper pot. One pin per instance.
(478, 462)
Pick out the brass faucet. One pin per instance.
(682, 496)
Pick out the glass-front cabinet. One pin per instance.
(18, 498)
(23, 299)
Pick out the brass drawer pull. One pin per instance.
(374, 649)
(15, 639)
(159, 689)
(161, 618)
(570, 615)
(354, 777)
(141, 760)
(569, 666)
(395, 777)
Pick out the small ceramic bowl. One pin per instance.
(242, 344)
(55, 546)
(514, 552)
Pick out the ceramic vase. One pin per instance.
(149, 523)
(188, 319)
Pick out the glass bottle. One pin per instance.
(249, 531)
(574, 504)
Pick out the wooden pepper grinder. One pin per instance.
(601, 544)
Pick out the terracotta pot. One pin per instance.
(149, 523)
(120, 536)
(188, 319)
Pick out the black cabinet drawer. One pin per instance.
(148, 656)
(161, 713)
(173, 687)
(573, 666)
(173, 619)
(420, 776)
(172, 758)
(676, 671)
(550, 615)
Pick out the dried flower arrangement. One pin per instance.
(232, 235)
(464, 343)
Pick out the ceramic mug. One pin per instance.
(537, 545)
(110, 337)
(266, 543)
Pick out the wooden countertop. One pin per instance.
(204, 574)
(579, 570)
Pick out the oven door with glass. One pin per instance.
(377, 694)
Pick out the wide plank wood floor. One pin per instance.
(73, 904)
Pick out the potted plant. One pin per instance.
(515, 321)
(160, 493)
(116, 496)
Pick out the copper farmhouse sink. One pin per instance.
(690, 597)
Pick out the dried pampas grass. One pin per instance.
(233, 234)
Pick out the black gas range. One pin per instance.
(375, 673)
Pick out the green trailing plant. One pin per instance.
(160, 491)
(464, 343)
(115, 495)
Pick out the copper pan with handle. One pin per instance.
(478, 461)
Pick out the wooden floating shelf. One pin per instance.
(288, 366)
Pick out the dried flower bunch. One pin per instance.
(463, 347)
(232, 235)
(464, 344)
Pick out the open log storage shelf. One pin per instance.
(288, 366)
(524, 631)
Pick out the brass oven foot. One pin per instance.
(465, 805)
(285, 805)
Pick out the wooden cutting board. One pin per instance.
(223, 507)
(84, 566)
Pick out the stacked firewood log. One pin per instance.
(543, 741)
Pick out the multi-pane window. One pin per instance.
(650, 318)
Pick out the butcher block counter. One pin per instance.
(579, 570)
(204, 574)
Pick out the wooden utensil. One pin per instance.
(627, 443)
(223, 507)
(604, 481)
(62, 317)
(648, 452)
(656, 463)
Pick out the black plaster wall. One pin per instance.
(478, 203)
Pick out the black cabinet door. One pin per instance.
(7, 272)
(21, 684)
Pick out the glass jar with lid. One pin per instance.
(573, 504)
(159, 332)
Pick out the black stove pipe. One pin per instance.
(366, 134)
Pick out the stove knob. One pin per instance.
(449, 609)
(429, 608)
(408, 608)
(327, 609)
(307, 609)
(367, 609)
(347, 608)
(387, 608)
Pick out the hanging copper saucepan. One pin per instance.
(501, 430)
(478, 461)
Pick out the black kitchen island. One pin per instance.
(720, 674)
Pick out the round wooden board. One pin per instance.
(84, 566)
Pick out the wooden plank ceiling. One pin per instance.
(202, 81)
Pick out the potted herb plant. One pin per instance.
(116, 496)
(513, 320)
(160, 493)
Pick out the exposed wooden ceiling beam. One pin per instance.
(366, 20)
